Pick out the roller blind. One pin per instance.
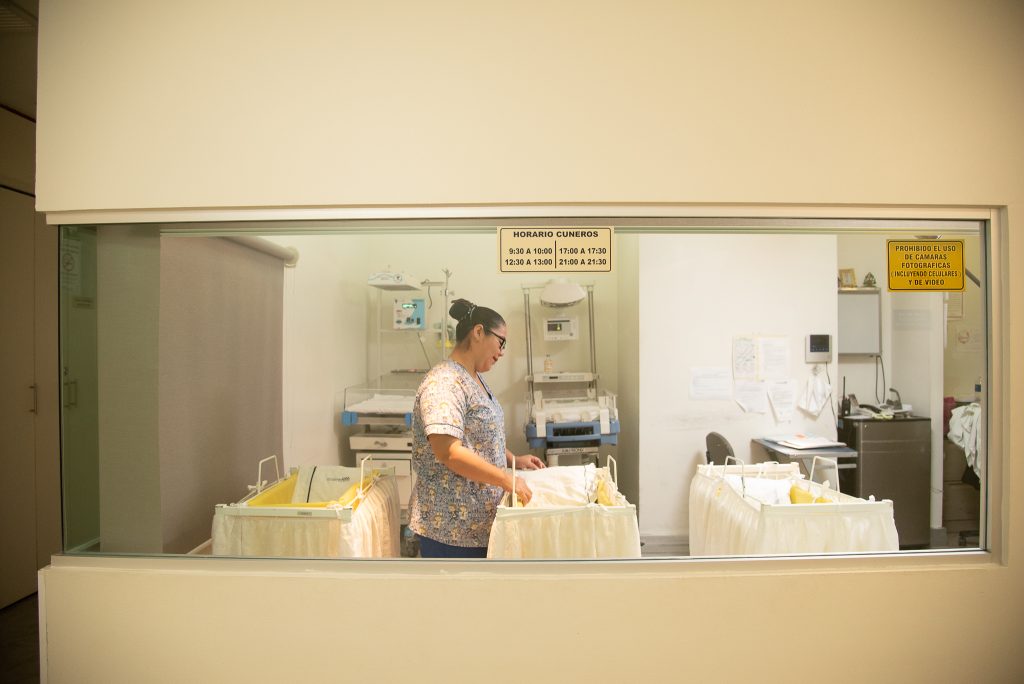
(220, 377)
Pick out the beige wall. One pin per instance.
(336, 104)
(696, 296)
(350, 104)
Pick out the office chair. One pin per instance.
(718, 448)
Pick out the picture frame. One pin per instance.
(847, 277)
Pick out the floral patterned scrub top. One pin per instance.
(447, 507)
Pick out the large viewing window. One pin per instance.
(192, 353)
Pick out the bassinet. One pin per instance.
(583, 516)
(732, 512)
(316, 512)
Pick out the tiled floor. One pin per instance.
(19, 642)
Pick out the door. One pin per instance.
(18, 399)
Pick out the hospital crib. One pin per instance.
(749, 510)
(316, 512)
(575, 512)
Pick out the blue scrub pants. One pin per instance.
(435, 549)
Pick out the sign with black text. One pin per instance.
(926, 265)
(562, 249)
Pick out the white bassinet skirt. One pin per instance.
(372, 532)
(591, 531)
(724, 522)
(564, 519)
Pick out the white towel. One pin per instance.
(816, 394)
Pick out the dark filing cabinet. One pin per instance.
(894, 462)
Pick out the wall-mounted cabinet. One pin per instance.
(860, 321)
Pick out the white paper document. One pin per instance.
(751, 395)
(782, 394)
(710, 383)
(744, 358)
(799, 440)
(772, 358)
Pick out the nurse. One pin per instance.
(458, 450)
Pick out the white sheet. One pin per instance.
(725, 523)
(373, 531)
(561, 485)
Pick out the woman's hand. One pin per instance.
(529, 462)
(523, 492)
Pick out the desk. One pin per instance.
(845, 457)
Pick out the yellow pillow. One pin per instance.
(799, 495)
(604, 497)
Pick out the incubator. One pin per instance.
(568, 413)
(381, 415)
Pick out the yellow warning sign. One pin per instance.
(567, 249)
(926, 265)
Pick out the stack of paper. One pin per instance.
(802, 441)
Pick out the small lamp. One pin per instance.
(561, 293)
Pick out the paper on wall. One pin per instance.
(772, 358)
(751, 396)
(782, 394)
(710, 383)
(744, 358)
(954, 303)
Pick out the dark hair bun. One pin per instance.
(461, 308)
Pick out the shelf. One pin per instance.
(567, 376)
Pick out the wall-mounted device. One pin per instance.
(410, 314)
(818, 349)
(561, 329)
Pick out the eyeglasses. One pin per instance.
(501, 340)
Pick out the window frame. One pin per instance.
(769, 218)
